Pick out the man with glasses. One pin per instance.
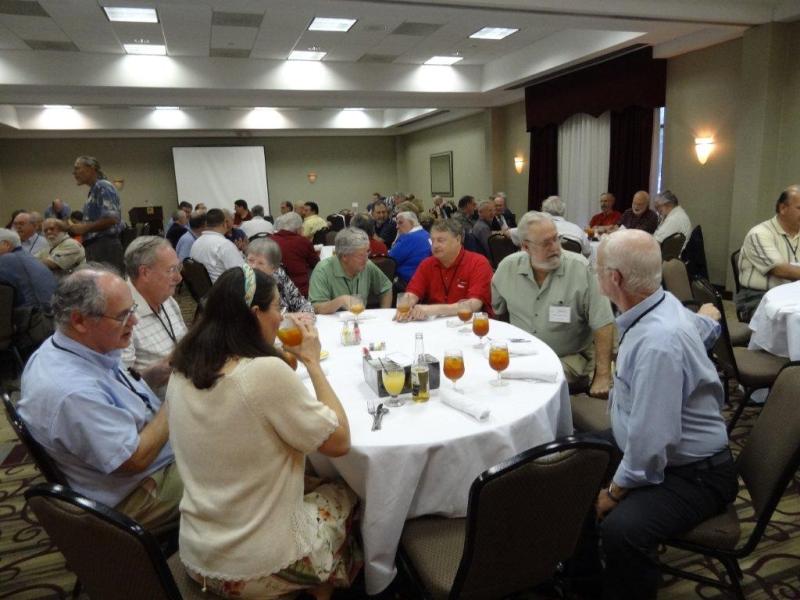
(154, 271)
(554, 296)
(102, 425)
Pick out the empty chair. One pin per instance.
(671, 247)
(196, 278)
(500, 246)
(571, 245)
(123, 560)
(389, 267)
(767, 464)
(524, 517)
(675, 279)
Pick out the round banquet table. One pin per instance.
(776, 322)
(426, 456)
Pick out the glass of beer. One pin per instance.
(453, 366)
(403, 306)
(394, 379)
(289, 333)
(498, 360)
(356, 305)
(464, 311)
(480, 327)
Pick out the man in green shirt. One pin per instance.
(348, 272)
(555, 297)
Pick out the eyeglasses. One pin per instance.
(175, 269)
(553, 241)
(122, 318)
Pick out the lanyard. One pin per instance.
(792, 249)
(639, 318)
(33, 244)
(446, 286)
(168, 325)
(118, 374)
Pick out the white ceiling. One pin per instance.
(225, 57)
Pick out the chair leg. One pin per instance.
(739, 409)
(76, 591)
(735, 573)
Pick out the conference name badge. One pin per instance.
(560, 314)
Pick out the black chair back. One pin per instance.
(694, 254)
(671, 247)
(704, 293)
(320, 236)
(259, 236)
(500, 246)
(6, 316)
(735, 267)
(47, 466)
(196, 278)
(571, 245)
(389, 267)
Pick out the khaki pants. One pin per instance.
(155, 501)
(579, 370)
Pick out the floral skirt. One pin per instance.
(335, 555)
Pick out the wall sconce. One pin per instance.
(703, 147)
(312, 177)
(519, 164)
(119, 183)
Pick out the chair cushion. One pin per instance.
(589, 414)
(435, 545)
(739, 332)
(756, 367)
(721, 531)
(187, 586)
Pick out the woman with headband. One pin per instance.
(249, 529)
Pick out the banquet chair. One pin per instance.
(571, 245)
(671, 247)
(500, 246)
(196, 278)
(675, 279)
(766, 465)
(589, 414)
(753, 369)
(524, 518)
(320, 236)
(123, 560)
(735, 268)
(330, 238)
(694, 254)
(389, 267)
(7, 326)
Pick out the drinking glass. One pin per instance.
(480, 327)
(403, 304)
(289, 333)
(453, 366)
(464, 311)
(394, 379)
(356, 305)
(498, 360)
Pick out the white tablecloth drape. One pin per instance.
(426, 456)
(776, 322)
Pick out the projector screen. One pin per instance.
(219, 175)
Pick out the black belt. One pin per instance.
(705, 464)
(91, 241)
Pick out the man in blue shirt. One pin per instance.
(197, 223)
(676, 470)
(33, 282)
(413, 245)
(103, 425)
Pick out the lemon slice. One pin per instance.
(323, 354)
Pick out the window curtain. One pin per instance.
(583, 164)
(631, 145)
(543, 172)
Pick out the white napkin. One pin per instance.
(514, 348)
(460, 402)
(346, 315)
(527, 367)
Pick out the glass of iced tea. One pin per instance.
(453, 366)
(394, 379)
(480, 327)
(464, 311)
(356, 305)
(289, 333)
(498, 360)
(403, 306)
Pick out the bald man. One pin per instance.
(639, 215)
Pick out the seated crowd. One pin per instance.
(122, 353)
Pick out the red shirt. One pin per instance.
(299, 257)
(377, 248)
(470, 276)
(604, 220)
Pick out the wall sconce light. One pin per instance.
(703, 147)
(119, 183)
(519, 164)
(312, 177)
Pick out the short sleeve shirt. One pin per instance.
(101, 203)
(312, 224)
(563, 312)
(329, 281)
(766, 246)
(604, 220)
(470, 276)
(67, 254)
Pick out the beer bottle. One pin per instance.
(420, 372)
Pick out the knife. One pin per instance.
(376, 420)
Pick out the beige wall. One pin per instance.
(34, 172)
(515, 142)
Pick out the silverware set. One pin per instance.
(377, 416)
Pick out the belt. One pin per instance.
(705, 464)
(91, 241)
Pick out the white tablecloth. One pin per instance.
(326, 252)
(426, 456)
(776, 322)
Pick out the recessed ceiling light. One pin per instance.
(263, 108)
(131, 15)
(167, 108)
(329, 24)
(443, 60)
(153, 49)
(306, 55)
(57, 106)
(353, 109)
(493, 33)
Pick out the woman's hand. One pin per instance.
(309, 349)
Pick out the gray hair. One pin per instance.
(268, 249)
(529, 218)
(409, 216)
(257, 211)
(36, 217)
(554, 206)
(10, 236)
(350, 241)
(451, 226)
(637, 256)
(666, 197)
(290, 221)
(141, 252)
(63, 226)
(91, 162)
(80, 292)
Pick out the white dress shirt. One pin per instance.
(677, 221)
(216, 253)
(569, 230)
(35, 244)
(255, 226)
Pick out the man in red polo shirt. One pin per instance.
(607, 218)
(450, 275)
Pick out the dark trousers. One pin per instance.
(106, 250)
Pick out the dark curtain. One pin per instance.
(543, 171)
(631, 145)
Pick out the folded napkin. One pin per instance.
(528, 367)
(466, 405)
(514, 348)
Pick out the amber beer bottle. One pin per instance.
(420, 372)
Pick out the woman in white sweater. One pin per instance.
(241, 424)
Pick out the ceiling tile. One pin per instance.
(9, 41)
(85, 24)
(232, 37)
(377, 58)
(22, 8)
(34, 28)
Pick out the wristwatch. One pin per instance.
(610, 493)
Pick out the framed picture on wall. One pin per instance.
(442, 174)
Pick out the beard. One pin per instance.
(550, 264)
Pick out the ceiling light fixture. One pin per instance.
(264, 108)
(331, 24)
(167, 108)
(150, 49)
(353, 109)
(131, 15)
(493, 33)
(306, 55)
(443, 60)
(57, 106)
